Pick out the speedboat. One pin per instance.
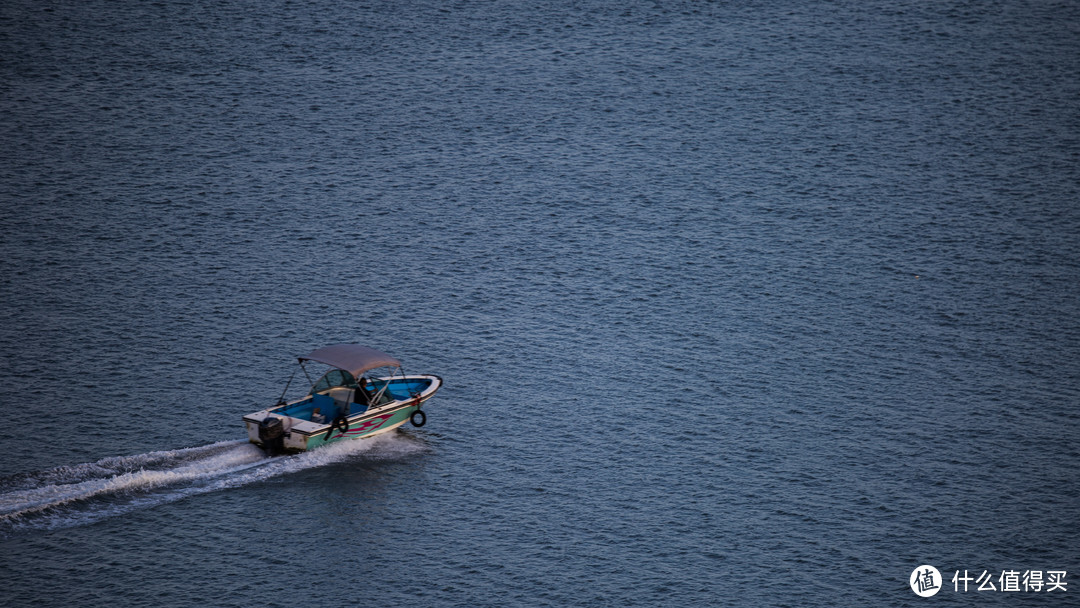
(365, 392)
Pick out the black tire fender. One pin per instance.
(340, 422)
(423, 418)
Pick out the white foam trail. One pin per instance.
(113, 465)
(64, 496)
(13, 504)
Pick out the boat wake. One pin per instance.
(89, 492)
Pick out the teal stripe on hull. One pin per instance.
(366, 428)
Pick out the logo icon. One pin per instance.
(925, 581)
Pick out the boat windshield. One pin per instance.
(334, 378)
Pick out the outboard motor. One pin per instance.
(272, 435)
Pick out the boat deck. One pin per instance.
(399, 390)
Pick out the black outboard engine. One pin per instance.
(272, 435)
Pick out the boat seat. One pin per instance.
(327, 406)
(342, 397)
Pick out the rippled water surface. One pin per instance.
(759, 303)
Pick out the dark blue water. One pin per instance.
(755, 303)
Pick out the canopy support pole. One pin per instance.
(281, 399)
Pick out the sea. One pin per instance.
(755, 303)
